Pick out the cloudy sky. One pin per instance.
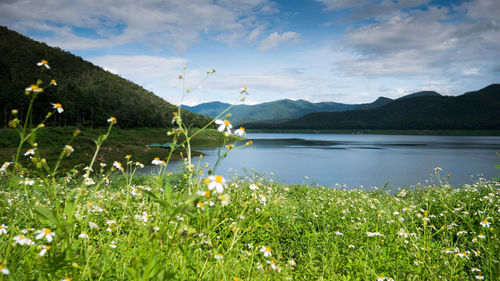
(349, 51)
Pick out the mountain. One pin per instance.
(421, 94)
(474, 110)
(277, 110)
(88, 93)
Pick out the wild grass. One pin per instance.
(102, 221)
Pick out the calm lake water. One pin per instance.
(362, 160)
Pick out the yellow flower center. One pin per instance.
(207, 194)
(58, 105)
(34, 87)
(157, 158)
(46, 231)
(218, 179)
(227, 123)
(223, 198)
(241, 128)
(44, 62)
(268, 249)
(47, 248)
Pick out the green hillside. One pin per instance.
(88, 93)
(277, 110)
(477, 110)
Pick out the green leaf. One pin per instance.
(47, 214)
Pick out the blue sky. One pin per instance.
(349, 51)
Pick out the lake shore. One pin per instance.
(383, 132)
(121, 142)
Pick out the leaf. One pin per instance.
(48, 214)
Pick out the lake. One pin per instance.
(362, 160)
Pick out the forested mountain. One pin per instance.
(277, 110)
(88, 93)
(473, 110)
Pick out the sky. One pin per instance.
(348, 51)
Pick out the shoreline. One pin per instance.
(382, 132)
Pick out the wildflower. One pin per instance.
(244, 90)
(47, 233)
(92, 225)
(437, 169)
(89, 181)
(219, 256)
(216, 182)
(263, 199)
(292, 262)
(3, 229)
(224, 125)
(57, 106)
(485, 223)
(248, 143)
(224, 199)
(5, 166)
(259, 266)
(253, 186)
(118, 165)
(44, 63)
(139, 164)
(351, 246)
(66, 279)
(156, 161)
(28, 181)
(112, 120)
(83, 235)
(240, 132)
(475, 269)
(200, 205)
(4, 270)
(240, 216)
(30, 151)
(112, 244)
(479, 276)
(110, 222)
(33, 88)
(272, 264)
(68, 149)
(44, 250)
(21, 240)
(266, 251)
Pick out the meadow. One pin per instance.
(100, 221)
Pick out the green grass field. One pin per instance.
(156, 228)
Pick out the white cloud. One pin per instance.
(274, 39)
(420, 44)
(140, 67)
(165, 24)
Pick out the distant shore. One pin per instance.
(383, 132)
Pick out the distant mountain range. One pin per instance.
(419, 111)
(277, 110)
(88, 93)
(284, 110)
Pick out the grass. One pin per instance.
(120, 143)
(154, 229)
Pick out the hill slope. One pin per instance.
(88, 93)
(474, 110)
(277, 110)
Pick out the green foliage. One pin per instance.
(88, 93)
